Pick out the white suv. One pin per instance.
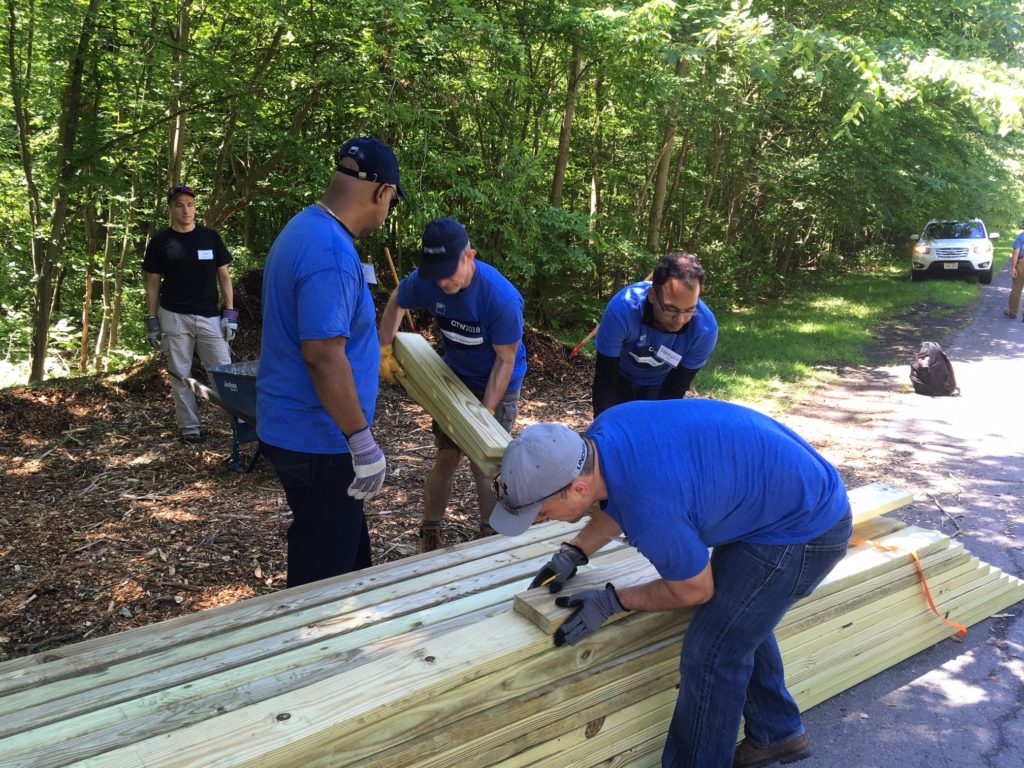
(948, 247)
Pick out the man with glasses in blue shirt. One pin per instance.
(316, 387)
(654, 336)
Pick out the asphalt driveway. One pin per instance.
(957, 703)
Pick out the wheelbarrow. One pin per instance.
(235, 393)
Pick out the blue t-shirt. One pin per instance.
(313, 288)
(685, 475)
(488, 312)
(623, 334)
(1018, 243)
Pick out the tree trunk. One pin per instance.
(564, 134)
(115, 318)
(99, 362)
(48, 248)
(179, 58)
(91, 246)
(661, 176)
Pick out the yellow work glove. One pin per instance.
(390, 370)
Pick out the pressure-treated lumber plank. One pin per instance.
(442, 394)
(866, 502)
(185, 632)
(499, 715)
(875, 499)
(243, 676)
(318, 624)
(539, 607)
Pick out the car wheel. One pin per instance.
(915, 276)
(985, 277)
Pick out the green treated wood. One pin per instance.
(101, 653)
(442, 394)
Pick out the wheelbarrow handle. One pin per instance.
(203, 391)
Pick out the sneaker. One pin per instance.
(430, 537)
(192, 438)
(749, 756)
(1006, 313)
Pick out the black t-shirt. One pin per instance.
(188, 262)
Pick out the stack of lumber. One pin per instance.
(442, 394)
(424, 662)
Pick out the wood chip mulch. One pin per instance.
(109, 522)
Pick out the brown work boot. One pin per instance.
(430, 536)
(749, 756)
(485, 531)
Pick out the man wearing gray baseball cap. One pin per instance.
(677, 477)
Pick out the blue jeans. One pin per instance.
(730, 663)
(328, 534)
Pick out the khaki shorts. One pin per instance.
(506, 413)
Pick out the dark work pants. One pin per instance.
(328, 534)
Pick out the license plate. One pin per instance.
(950, 266)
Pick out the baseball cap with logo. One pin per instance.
(539, 463)
(444, 240)
(374, 160)
(179, 189)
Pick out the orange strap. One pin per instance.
(961, 630)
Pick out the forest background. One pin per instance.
(779, 141)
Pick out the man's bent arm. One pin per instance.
(390, 321)
(331, 375)
(598, 531)
(665, 595)
(501, 374)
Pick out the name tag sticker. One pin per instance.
(205, 254)
(369, 273)
(668, 356)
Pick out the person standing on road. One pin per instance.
(480, 316)
(676, 478)
(654, 336)
(316, 387)
(184, 264)
(1016, 274)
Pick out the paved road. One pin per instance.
(955, 704)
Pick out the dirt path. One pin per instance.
(963, 458)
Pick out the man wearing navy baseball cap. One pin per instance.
(317, 381)
(677, 477)
(480, 316)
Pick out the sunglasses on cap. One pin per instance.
(179, 189)
(501, 494)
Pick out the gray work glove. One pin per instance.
(229, 323)
(368, 463)
(560, 568)
(153, 332)
(592, 606)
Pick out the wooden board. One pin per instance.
(442, 394)
(867, 503)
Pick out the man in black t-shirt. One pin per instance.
(184, 264)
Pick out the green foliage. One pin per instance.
(804, 140)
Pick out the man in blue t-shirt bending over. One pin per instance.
(317, 382)
(654, 336)
(480, 316)
(677, 477)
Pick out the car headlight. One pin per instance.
(921, 248)
(983, 248)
